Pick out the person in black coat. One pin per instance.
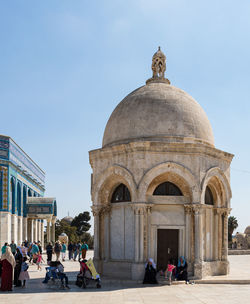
(150, 273)
(49, 251)
(17, 270)
(181, 272)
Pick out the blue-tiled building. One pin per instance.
(20, 180)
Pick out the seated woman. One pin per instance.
(150, 273)
(181, 273)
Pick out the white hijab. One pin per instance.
(151, 261)
(9, 257)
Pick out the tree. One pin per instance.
(62, 226)
(81, 222)
(232, 225)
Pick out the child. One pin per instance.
(24, 275)
(168, 272)
(39, 260)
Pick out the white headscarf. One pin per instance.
(9, 257)
(151, 261)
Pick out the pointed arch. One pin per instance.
(174, 173)
(219, 185)
(108, 180)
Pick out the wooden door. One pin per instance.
(167, 247)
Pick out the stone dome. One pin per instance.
(247, 230)
(158, 111)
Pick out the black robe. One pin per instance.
(18, 258)
(150, 275)
(181, 273)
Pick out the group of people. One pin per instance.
(75, 250)
(178, 272)
(14, 259)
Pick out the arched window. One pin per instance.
(19, 209)
(167, 188)
(29, 193)
(121, 194)
(209, 199)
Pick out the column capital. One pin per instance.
(105, 209)
(188, 209)
(141, 208)
(197, 209)
(96, 209)
(222, 211)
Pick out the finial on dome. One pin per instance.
(158, 67)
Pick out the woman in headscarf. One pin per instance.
(150, 272)
(8, 264)
(181, 273)
(18, 258)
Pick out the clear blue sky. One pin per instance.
(64, 66)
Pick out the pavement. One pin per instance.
(128, 292)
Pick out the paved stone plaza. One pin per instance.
(128, 292)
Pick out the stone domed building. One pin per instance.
(160, 188)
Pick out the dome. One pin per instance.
(67, 219)
(158, 111)
(247, 230)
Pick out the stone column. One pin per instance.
(137, 237)
(39, 230)
(48, 231)
(149, 210)
(141, 257)
(219, 211)
(25, 227)
(53, 230)
(188, 211)
(106, 210)
(198, 241)
(225, 236)
(216, 234)
(42, 233)
(96, 211)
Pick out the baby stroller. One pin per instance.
(88, 275)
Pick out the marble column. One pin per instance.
(20, 230)
(53, 230)
(48, 231)
(25, 226)
(42, 233)
(30, 230)
(188, 212)
(14, 225)
(39, 230)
